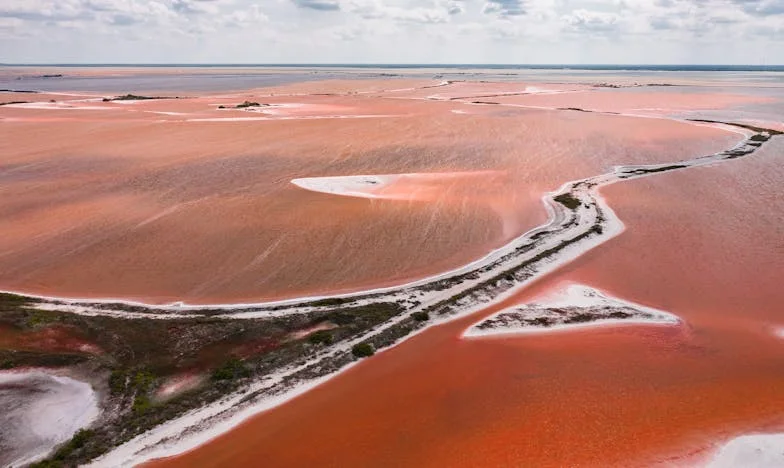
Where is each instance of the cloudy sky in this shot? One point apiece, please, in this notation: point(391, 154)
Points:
point(392, 31)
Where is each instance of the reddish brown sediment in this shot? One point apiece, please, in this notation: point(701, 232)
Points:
point(178, 384)
point(704, 244)
point(53, 338)
point(126, 202)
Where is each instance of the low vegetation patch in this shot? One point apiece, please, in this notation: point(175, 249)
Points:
point(233, 369)
point(321, 337)
point(77, 442)
point(420, 316)
point(244, 105)
point(362, 350)
point(134, 97)
point(138, 356)
point(568, 200)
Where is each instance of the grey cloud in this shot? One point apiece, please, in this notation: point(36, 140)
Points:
point(190, 7)
point(123, 20)
point(662, 23)
point(761, 7)
point(505, 8)
point(100, 5)
point(322, 5)
point(751, 7)
point(44, 11)
point(454, 8)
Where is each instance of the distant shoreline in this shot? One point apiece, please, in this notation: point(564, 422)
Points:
point(468, 66)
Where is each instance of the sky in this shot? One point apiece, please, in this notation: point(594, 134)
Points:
point(393, 31)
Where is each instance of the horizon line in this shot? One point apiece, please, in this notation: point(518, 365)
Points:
point(387, 64)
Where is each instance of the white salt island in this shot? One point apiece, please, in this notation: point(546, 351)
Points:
point(569, 307)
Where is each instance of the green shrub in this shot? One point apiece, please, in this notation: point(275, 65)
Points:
point(143, 380)
point(232, 369)
point(248, 104)
point(421, 316)
point(321, 337)
point(362, 350)
point(330, 301)
point(77, 441)
point(141, 403)
point(117, 381)
point(13, 299)
point(41, 318)
point(46, 464)
point(567, 200)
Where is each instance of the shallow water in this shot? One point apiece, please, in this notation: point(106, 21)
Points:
point(129, 205)
point(619, 396)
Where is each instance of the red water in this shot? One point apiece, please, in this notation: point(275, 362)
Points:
point(122, 202)
point(705, 244)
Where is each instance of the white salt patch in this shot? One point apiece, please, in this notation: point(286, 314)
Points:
point(539, 90)
point(367, 186)
point(39, 411)
point(353, 186)
point(751, 451)
point(167, 113)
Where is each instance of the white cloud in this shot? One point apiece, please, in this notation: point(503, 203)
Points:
point(479, 31)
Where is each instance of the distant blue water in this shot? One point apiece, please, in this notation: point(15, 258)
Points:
point(465, 66)
point(161, 83)
point(258, 76)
